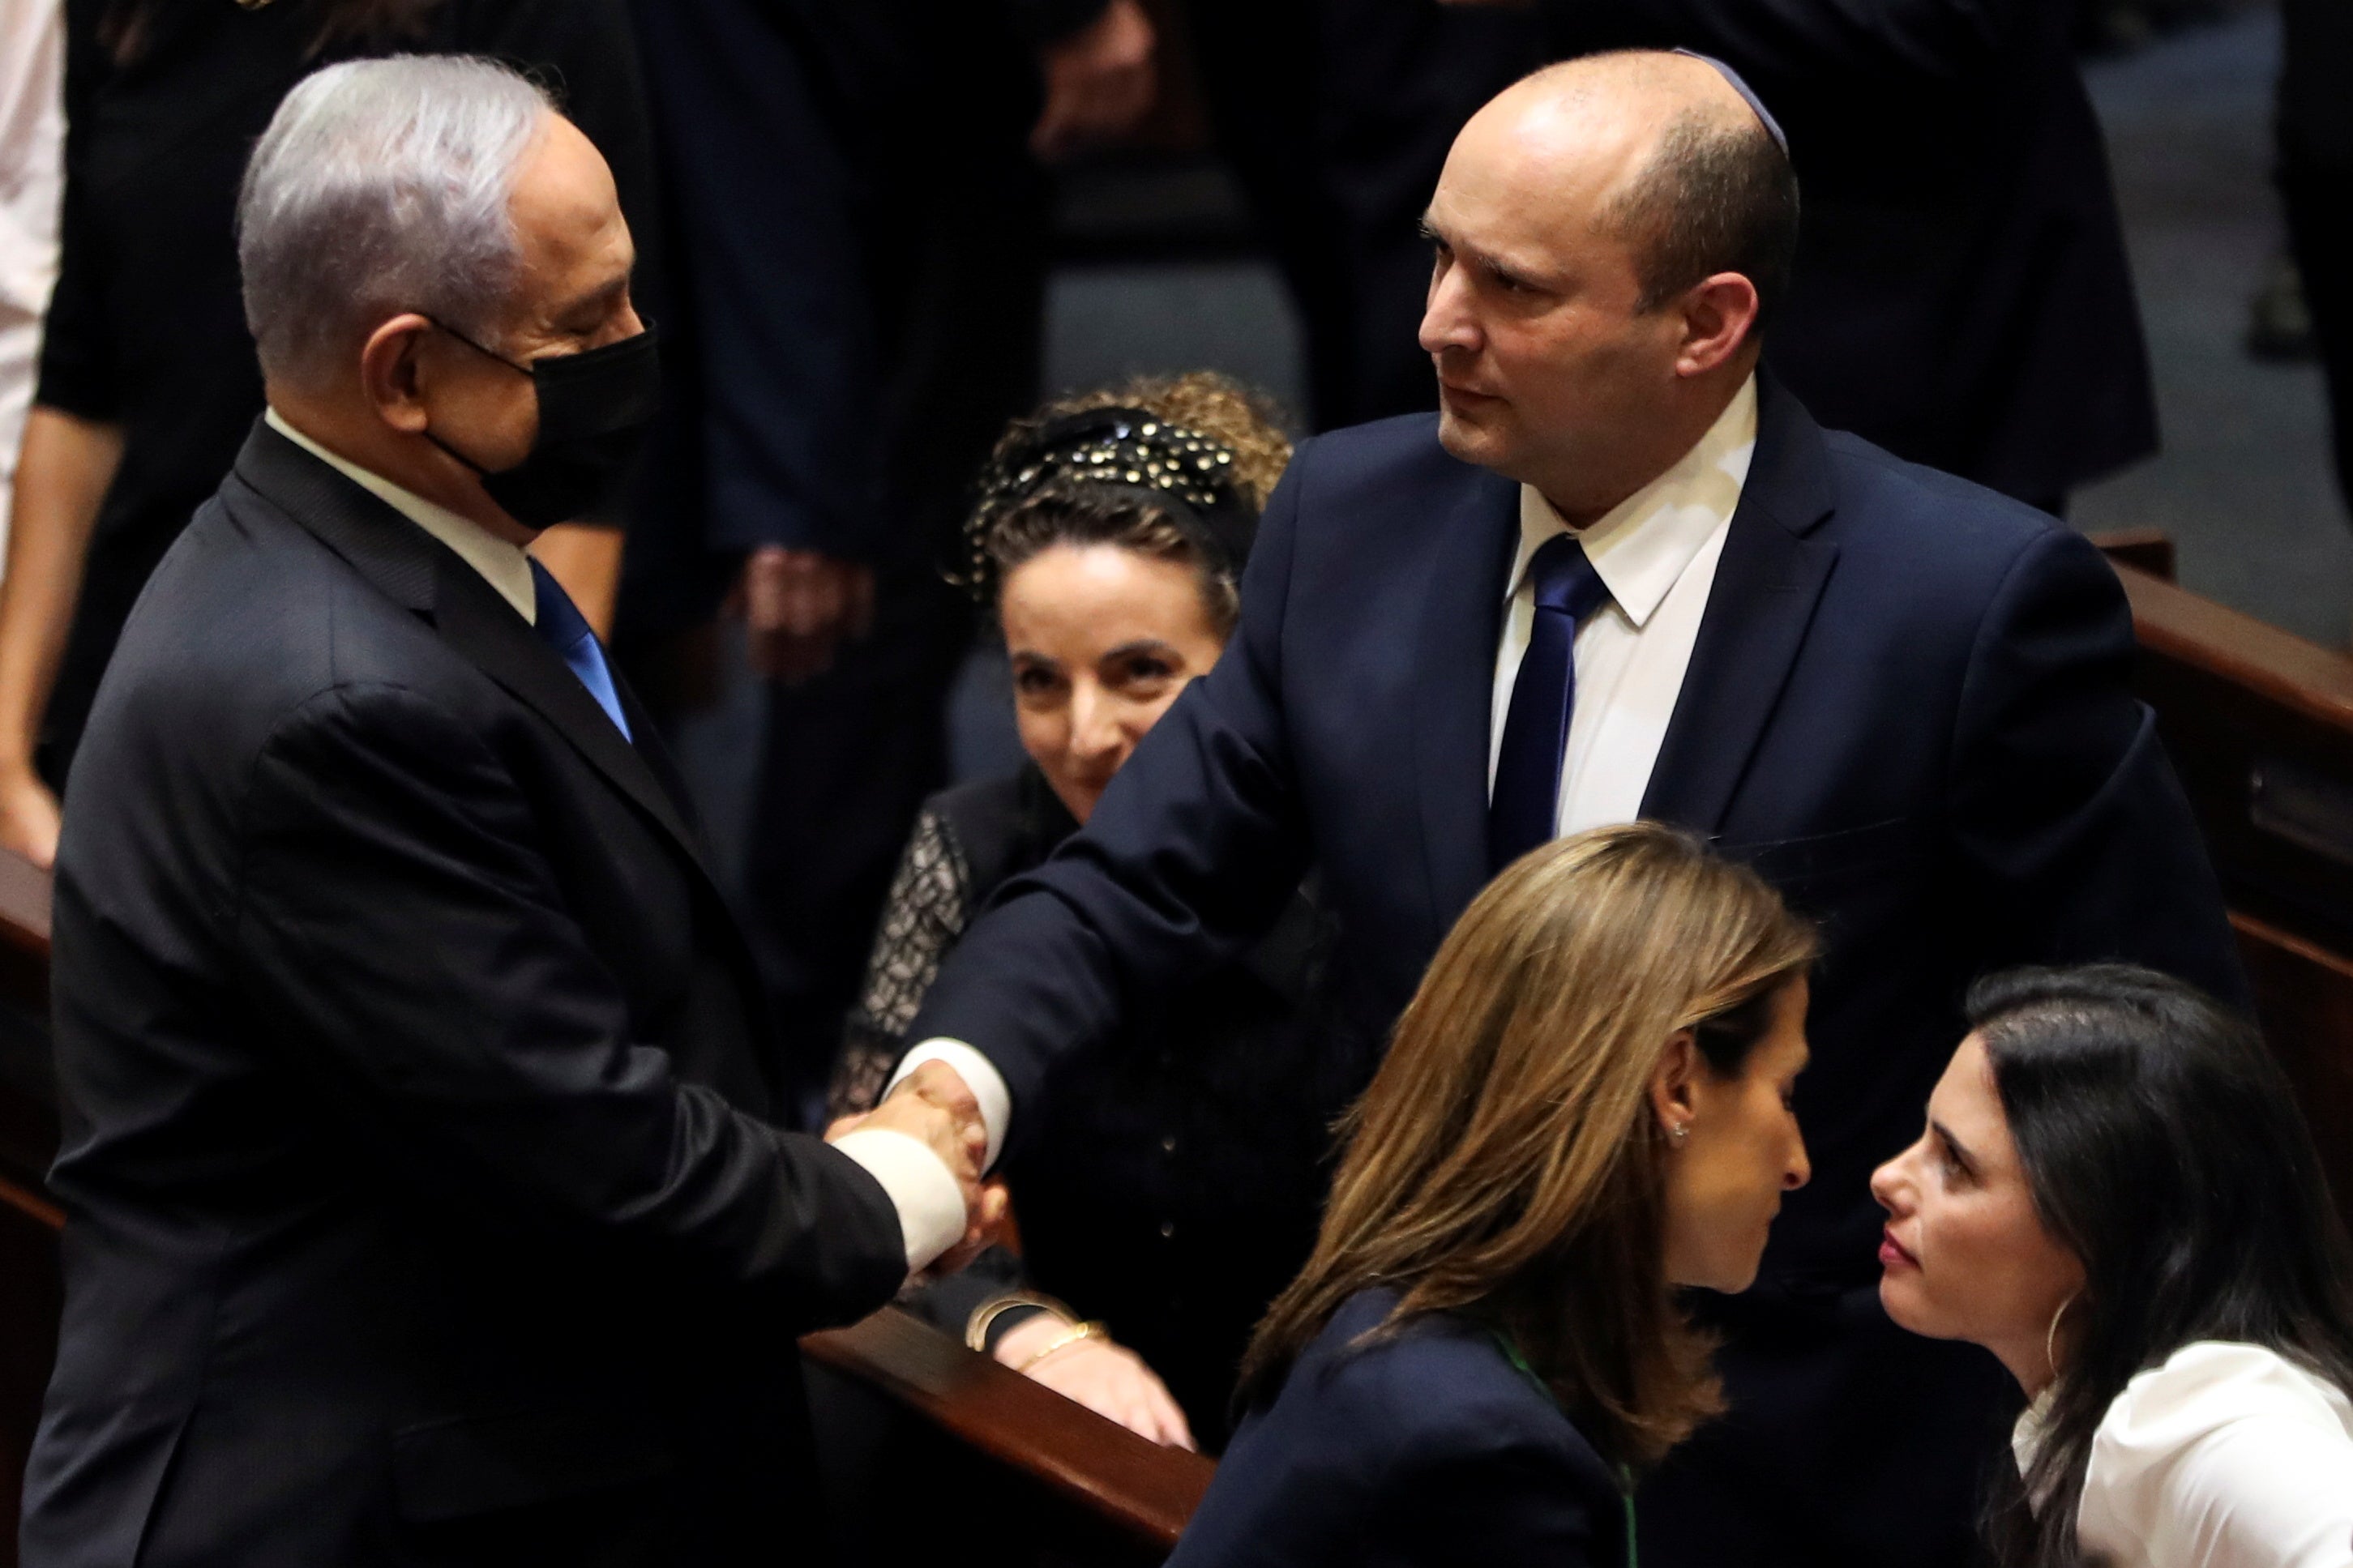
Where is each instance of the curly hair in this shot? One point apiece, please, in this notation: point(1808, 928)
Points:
point(1074, 512)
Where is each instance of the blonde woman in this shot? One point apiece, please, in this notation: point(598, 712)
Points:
point(1586, 1105)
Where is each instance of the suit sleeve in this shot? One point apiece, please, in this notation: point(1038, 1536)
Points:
point(2074, 829)
point(1194, 850)
point(401, 933)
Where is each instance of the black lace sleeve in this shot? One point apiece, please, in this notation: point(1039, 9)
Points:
point(930, 899)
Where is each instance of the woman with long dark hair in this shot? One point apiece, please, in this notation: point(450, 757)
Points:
point(2115, 1194)
point(148, 383)
point(1586, 1105)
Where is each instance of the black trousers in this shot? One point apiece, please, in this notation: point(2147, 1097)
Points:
point(2318, 192)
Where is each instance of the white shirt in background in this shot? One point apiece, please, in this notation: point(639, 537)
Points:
point(32, 184)
point(2227, 1456)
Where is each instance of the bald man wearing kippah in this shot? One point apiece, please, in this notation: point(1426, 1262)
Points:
point(1622, 574)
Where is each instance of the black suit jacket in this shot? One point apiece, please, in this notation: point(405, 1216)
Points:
point(1908, 707)
point(422, 1205)
point(1962, 297)
point(1428, 1449)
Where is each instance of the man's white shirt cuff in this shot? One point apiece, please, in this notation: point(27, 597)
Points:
point(980, 1076)
point(919, 1185)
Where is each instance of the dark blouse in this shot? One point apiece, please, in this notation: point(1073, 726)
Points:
point(1427, 1447)
point(146, 328)
point(1174, 1184)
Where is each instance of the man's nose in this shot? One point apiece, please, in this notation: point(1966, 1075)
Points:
point(1446, 321)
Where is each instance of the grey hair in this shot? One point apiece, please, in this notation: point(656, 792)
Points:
point(382, 185)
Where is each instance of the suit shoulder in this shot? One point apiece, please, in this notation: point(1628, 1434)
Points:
point(1379, 457)
point(1935, 513)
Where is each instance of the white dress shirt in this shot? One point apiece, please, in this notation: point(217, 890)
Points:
point(2228, 1455)
point(1656, 553)
point(917, 1182)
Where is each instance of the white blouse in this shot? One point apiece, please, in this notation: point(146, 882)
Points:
point(2228, 1455)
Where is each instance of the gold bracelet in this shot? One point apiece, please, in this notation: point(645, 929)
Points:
point(977, 1327)
point(1088, 1329)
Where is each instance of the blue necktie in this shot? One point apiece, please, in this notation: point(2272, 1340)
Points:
point(564, 629)
point(1527, 801)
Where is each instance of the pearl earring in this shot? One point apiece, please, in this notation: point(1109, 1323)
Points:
point(1679, 1130)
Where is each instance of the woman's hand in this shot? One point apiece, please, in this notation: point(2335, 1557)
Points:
point(1107, 1378)
point(28, 816)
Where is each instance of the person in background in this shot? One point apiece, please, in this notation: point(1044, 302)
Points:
point(32, 171)
point(2315, 171)
point(1175, 1187)
point(1587, 1108)
point(860, 228)
point(2115, 1194)
point(148, 383)
point(1961, 295)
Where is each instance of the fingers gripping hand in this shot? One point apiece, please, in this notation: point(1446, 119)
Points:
point(934, 1106)
point(1105, 1376)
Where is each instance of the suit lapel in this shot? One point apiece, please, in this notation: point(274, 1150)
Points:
point(482, 626)
point(1767, 582)
point(418, 573)
point(1455, 688)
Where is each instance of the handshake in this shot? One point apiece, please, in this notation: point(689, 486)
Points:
point(935, 1106)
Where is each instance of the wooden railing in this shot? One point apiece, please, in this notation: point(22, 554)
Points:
point(2260, 726)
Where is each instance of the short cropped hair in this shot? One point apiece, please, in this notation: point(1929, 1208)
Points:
point(382, 185)
point(1716, 198)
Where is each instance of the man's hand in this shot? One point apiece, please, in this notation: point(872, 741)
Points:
point(1107, 1378)
point(933, 1105)
point(1100, 81)
point(799, 605)
point(28, 816)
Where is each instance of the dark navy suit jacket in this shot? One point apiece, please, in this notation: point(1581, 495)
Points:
point(1908, 707)
point(1428, 1447)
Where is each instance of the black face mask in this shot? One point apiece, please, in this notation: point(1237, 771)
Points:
point(595, 410)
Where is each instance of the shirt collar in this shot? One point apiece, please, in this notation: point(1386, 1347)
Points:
point(1641, 546)
point(502, 564)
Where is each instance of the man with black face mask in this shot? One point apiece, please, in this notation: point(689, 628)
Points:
point(424, 1179)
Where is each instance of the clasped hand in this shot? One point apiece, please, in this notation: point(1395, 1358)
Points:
point(934, 1106)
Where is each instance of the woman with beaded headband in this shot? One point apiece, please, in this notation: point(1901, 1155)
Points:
point(1176, 1184)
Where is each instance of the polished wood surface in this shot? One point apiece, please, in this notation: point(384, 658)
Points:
point(2260, 726)
point(1146, 1489)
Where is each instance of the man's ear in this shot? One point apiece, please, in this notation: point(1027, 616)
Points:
point(1675, 1082)
point(1719, 319)
point(393, 370)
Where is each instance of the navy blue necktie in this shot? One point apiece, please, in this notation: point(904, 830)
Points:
point(1527, 801)
point(564, 629)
